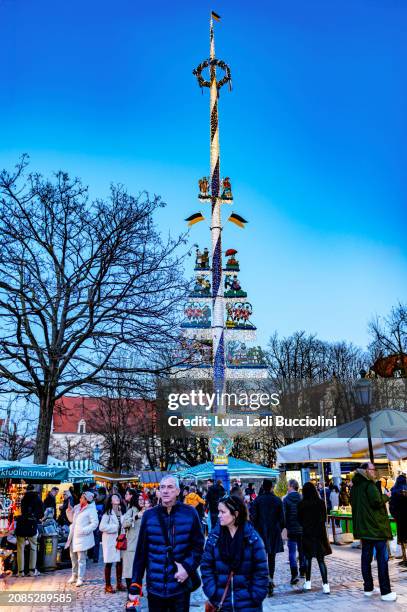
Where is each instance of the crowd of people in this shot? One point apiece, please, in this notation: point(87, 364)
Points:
point(167, 535)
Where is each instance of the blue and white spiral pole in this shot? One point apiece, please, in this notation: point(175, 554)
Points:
point(218, 307)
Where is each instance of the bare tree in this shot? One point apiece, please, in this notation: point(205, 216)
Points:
point(17, 433)
point(80, 281)
point(389, 334)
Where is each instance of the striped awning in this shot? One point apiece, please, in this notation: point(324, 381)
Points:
point(237, 468)
point(75, 476)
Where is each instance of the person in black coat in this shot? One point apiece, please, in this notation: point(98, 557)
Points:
point(267, 516)
point(294, 530)
point(214, 494)
point(31, 503)
point(398, 510)
point(235, 558)
point(50, 500)
point(312, 517)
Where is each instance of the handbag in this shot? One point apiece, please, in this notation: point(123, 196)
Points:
point(121, 540)
point(193, 582)
point(209, 607)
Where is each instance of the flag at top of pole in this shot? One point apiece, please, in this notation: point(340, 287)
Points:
point(215, 16)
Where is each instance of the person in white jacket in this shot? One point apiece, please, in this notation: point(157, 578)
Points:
point(110, 527)
point(84, 520)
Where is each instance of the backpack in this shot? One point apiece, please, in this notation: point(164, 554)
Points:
point(26, 525)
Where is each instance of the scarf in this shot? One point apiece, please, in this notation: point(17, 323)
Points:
point(231, 549)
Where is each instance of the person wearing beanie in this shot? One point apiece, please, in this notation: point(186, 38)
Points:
point(84, 520)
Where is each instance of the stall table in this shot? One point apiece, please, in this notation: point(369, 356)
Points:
point(346, 517)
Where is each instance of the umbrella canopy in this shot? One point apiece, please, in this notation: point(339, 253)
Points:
point(236, 468)
point(346, 442)
point(39, 473)
point(395, 443)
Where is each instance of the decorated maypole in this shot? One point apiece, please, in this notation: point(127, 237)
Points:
point(205, 323)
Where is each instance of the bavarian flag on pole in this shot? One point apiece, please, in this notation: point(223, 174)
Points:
point(215, 16)
point(237, 219)
point(195, 218)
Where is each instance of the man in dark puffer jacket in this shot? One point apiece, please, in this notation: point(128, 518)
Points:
point(168, 573)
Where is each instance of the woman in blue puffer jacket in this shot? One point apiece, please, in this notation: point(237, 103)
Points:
point(234, 548)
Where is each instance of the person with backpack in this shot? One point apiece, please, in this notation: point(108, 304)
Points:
point(234, 564)
point(32, 511)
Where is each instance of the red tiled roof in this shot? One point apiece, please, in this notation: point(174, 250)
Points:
point(68, 411)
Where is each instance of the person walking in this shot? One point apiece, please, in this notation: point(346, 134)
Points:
point(398, 510)
point(294, 530)
point(267, 516)
point(372, 526)
point(169, 550)
point(111, 527)
point(234, 564)
point(131, 524)
point(32, 511)
point(214, 494)
point(84, 520)
point(312, 518)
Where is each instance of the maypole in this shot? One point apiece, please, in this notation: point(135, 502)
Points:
point(202, 322)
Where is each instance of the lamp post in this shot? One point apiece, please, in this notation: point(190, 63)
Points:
point(363, 394)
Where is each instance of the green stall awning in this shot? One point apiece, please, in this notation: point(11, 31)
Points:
point(33, 472)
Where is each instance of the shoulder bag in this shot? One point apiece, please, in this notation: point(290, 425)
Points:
point(209, 607)
point(121, 540)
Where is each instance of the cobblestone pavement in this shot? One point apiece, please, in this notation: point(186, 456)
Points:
point(343, 572)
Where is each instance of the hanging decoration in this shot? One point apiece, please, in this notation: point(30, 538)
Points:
point(238, 315)
point(237, 220)
point(197, 315)
point(195, 218)
point(233, 288)
point(232, 263)
point(202, 259)
point(213, 63)
point(202, 287)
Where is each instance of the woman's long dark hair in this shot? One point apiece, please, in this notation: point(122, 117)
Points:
point(109, 506)
point(236, 506)
point(309, 493)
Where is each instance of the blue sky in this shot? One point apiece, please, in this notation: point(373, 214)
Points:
point(313, 134)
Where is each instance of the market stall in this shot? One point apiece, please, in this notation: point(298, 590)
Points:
point(238, 468)
point(347, 442)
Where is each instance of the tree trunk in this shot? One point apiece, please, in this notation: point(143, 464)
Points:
point(44, 428)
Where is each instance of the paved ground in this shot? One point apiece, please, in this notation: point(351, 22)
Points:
point(343, 571)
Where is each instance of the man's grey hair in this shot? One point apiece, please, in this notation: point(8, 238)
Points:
point(293, 484)
point(174, 478)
